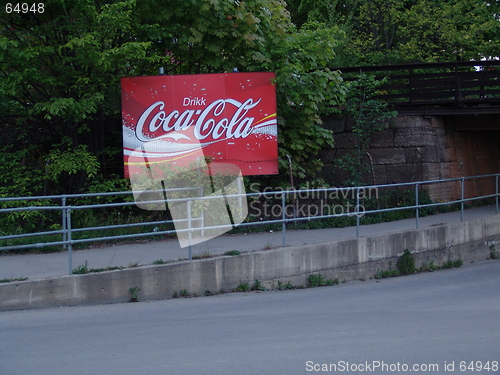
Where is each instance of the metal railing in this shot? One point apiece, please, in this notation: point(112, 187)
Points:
point(281, 216)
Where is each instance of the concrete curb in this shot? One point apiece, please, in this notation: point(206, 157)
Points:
point(347, 259)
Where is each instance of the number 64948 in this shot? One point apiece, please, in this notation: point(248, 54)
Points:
point(25, 8)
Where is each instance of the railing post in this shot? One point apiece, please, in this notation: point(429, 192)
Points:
point(496, 194)
point(410, 86)
point(69, 239)
point(64, 221)
point(462, 195)
point(203, 213)
point(357, 212)
point(416, 204)
point(458, 88)
point(283, 218)
point(190, 234)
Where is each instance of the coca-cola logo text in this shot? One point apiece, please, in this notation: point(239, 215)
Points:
point(208, 122)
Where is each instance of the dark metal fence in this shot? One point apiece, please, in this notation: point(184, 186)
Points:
point(462, 87)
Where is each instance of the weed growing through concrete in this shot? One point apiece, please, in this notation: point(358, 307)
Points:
point(258, 286)
point(406, 266)
point(81, 269)
point(430, 267)
point(269, 246)
point(287, 286)
point(406, 263)
point(243, 287)
point(493, 252)
point(452, 263)
point(203, 255)
point(331, 282)
point(84, 269)
point(232, 252)
point(133, 294)
point(387, 273)
point(315, 280)
point(13, 279)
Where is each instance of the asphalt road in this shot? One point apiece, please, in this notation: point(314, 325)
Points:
point(431, 321)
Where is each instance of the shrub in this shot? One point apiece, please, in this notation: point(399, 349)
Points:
point(406, 263)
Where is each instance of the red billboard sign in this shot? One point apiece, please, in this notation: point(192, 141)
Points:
point(230, 117)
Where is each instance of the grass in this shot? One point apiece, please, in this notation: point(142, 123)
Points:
point(13, 279)
point(388, 273)
point(287, 286)
point(315, 280)
point(232, 252)
point(203, 255)
point(406, 266)
point(268, 246)
point(84, 269)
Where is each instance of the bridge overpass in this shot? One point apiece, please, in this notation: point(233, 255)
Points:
point(448, 125)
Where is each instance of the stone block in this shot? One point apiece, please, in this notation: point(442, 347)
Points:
point(387, 156)
point(383, 138)
point(398, 173)
point(414, 138)
point(345, 140)
point(327, 155)
point(431, 155)
point(411, 121)
point(380, 173)
point(422, 155)
point(335, 123)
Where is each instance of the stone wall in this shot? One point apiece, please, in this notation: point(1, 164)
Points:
point(419, 148)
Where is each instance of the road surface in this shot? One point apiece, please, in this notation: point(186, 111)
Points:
point(428, 323)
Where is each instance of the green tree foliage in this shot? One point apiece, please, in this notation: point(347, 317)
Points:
point(330, 12)
point(306, 89)
point(396, 31)
point(59, 85)
point(60, 70)
point(450, 30)
point(369, 116)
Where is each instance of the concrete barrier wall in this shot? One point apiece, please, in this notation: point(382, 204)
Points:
point(348, 259)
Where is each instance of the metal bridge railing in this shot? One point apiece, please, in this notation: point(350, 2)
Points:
point(459, 87)
point(67, 239)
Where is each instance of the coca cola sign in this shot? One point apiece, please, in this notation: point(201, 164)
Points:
point(231, 117)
